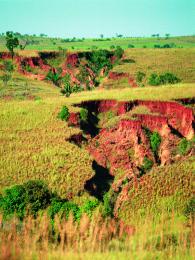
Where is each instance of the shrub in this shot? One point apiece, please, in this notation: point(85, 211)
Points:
point(84, 114)
point(155, 141)
point(118, 52)
point(131, 46)
point(154, 80)
point(54, 77)
point(6, 78)
point(100, 59)
point(8, 66)
point(63, 209)
point(147, 164)
point(168, 78)
point(140, 76)
point(64, 113)
point(76, 88)
point(89, 206)
point(162, 79)
point(25, 199)
point(109, 200)
point(66, 90)
point(184, 146)
point(13, 201)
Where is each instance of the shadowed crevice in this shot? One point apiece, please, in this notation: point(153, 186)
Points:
point(100, 183)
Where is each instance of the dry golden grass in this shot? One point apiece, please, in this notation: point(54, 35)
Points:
point(32, 139)
point(178, 61)
point(97, 238)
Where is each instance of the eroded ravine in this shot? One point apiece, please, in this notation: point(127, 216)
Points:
point(122, 151)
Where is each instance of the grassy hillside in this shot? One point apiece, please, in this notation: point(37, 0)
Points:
point(33, 146)
point(33, 139)
point(181, 62)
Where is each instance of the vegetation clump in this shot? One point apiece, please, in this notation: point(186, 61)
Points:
point(11, 42)
point(64, 113)
point(8, 68)
point(163, 79)
point(185, 145)
point(84, 114)
point(147, 165)
point(25, 199)
point(54, 77)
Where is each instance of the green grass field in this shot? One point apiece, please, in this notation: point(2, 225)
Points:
point(54, 43)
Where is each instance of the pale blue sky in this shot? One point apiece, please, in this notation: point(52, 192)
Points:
point(90, 18)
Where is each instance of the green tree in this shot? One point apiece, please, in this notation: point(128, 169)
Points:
point(11, 42)
point(8, 68)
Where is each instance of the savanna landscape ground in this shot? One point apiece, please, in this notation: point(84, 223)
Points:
point(106, 171)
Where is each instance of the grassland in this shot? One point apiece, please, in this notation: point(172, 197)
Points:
point(33, 146)
point(54, 43)
point(33, 139)
point(181, 62)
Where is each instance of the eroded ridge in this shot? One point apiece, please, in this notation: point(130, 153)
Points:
point(129, 138)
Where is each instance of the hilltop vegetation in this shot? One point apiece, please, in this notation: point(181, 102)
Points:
point(52, 44)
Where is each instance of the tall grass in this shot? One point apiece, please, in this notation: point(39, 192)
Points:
point(97, 237)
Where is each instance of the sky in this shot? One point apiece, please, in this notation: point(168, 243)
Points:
point(90, 18)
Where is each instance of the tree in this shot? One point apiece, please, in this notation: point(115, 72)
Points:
point(11, 42)
point(8, 70)
point(167, 35)
point(102, 36)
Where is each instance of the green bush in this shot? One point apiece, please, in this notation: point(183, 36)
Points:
point(25, 199)
point(84, 114)
point(66, 90)
point(131, 46)
point(109, 200)
point(166, 78)
point(140, 76)
point(6, 78)
point(89, 206)
point(76, 88)
point(118, 52)
point(63, 209)
point(185, 146)
point(54, 77)
point(147, 164)
point(155, 140)
point(8, 66)
point(64, 114)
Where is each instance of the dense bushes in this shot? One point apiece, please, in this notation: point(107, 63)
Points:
point(33, 196)
point(165, 46)
point(24, 199)
point(54, 77)
point(162, 79)
point(100, 59)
